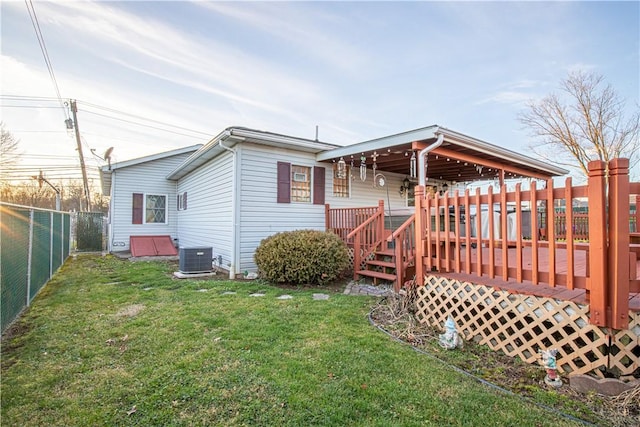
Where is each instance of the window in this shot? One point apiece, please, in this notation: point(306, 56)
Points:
point(300, 184)
point(155, 209)
point(182, 201)
point(295, 182)
point(341, 185)
point(411, 195)
point(150, 207)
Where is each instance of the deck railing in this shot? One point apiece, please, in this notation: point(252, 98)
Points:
point(472, 234)
point(343, 221)
point(362, 229)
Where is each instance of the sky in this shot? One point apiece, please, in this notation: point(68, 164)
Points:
point(152, 76)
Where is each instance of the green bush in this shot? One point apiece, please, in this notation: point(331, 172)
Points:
point(302, 257)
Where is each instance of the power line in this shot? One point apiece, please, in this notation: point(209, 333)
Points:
point(141, 124)
point(45, 53)
point(112, 110)
point(87, 105)
point(24, 106)
point(29, 98)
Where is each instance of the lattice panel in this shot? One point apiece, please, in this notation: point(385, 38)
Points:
point(624, 354)
point(519, 325)
point(363, 262)
point(351, 256)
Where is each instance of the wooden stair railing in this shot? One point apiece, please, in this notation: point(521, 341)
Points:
point(404, 246)
point(367, 237)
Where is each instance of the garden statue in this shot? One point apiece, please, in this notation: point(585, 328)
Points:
point(451, 338)
point(549, 363)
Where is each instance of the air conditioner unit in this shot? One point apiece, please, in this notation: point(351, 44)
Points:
point(195, 260)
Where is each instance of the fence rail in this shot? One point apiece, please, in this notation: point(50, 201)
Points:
point(34, 243)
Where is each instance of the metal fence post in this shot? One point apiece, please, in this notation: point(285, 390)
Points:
point(30, 256)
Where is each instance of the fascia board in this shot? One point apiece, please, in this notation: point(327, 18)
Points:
point(133, 162)
point(485, 147)
point(380, 143)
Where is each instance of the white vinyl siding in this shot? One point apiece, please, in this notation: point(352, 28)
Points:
point(208, 221)
point(364, 194)
point(148, 178)
point(260, 214)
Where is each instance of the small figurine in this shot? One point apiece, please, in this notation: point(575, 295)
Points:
point(549, 363)
point(451, 338)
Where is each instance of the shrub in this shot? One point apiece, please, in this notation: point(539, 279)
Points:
point(302, 257)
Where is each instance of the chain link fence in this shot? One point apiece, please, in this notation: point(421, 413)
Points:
point(33, 245)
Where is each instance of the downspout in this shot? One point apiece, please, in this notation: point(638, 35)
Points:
point(422, 169)
point(234, 212)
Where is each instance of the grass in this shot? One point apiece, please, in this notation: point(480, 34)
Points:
point(109, 342)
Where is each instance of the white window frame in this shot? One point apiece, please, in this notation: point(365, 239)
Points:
point(166, 209)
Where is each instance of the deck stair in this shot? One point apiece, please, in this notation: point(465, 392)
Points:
point(382, 268)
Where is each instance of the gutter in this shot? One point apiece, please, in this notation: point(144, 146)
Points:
point(422, 168)
point(234, 209)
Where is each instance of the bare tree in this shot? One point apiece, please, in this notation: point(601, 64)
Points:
point(8, 149)
point(587, 123)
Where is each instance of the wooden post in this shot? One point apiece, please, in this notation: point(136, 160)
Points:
point(503, 229)
point(380, 230)
point(569, 231)
point(327, 220)
point(598, 278)
point(419, 242)
point(551, 233)
point(618, 294)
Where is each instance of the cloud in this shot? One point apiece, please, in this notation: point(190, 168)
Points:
point(140, 45)
point(307, 27)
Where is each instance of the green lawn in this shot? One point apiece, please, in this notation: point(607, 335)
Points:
point(110, 342)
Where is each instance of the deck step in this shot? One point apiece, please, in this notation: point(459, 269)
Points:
point(381, 263)
point(377, 275)
point(385, 252)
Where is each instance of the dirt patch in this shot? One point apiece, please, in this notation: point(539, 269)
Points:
point(10, 342)
point(396, 315)
point(130, 310)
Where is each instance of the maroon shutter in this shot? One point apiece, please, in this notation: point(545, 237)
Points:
point(318, 185)
point(136, 214)
point(284, 182)
point(184, 201)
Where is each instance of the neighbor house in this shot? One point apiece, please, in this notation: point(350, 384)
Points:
point(245, 185)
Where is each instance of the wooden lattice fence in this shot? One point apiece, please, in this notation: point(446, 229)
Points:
point(520, 325)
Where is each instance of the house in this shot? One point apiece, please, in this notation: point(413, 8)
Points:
point(245, 185)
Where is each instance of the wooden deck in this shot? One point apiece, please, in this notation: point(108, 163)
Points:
point(527, 287)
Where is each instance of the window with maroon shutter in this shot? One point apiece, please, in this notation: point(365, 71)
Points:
point(284, 182)
point(138, 207)
point(300, 184)
point(318, 185)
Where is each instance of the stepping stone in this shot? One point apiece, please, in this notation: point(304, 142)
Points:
point(285, 297)
point(257, 294)
point(320, 297)
point(146, 289)
point(203, 290)
point(229, 293)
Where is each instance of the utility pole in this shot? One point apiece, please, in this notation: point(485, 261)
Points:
point(87, 194)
